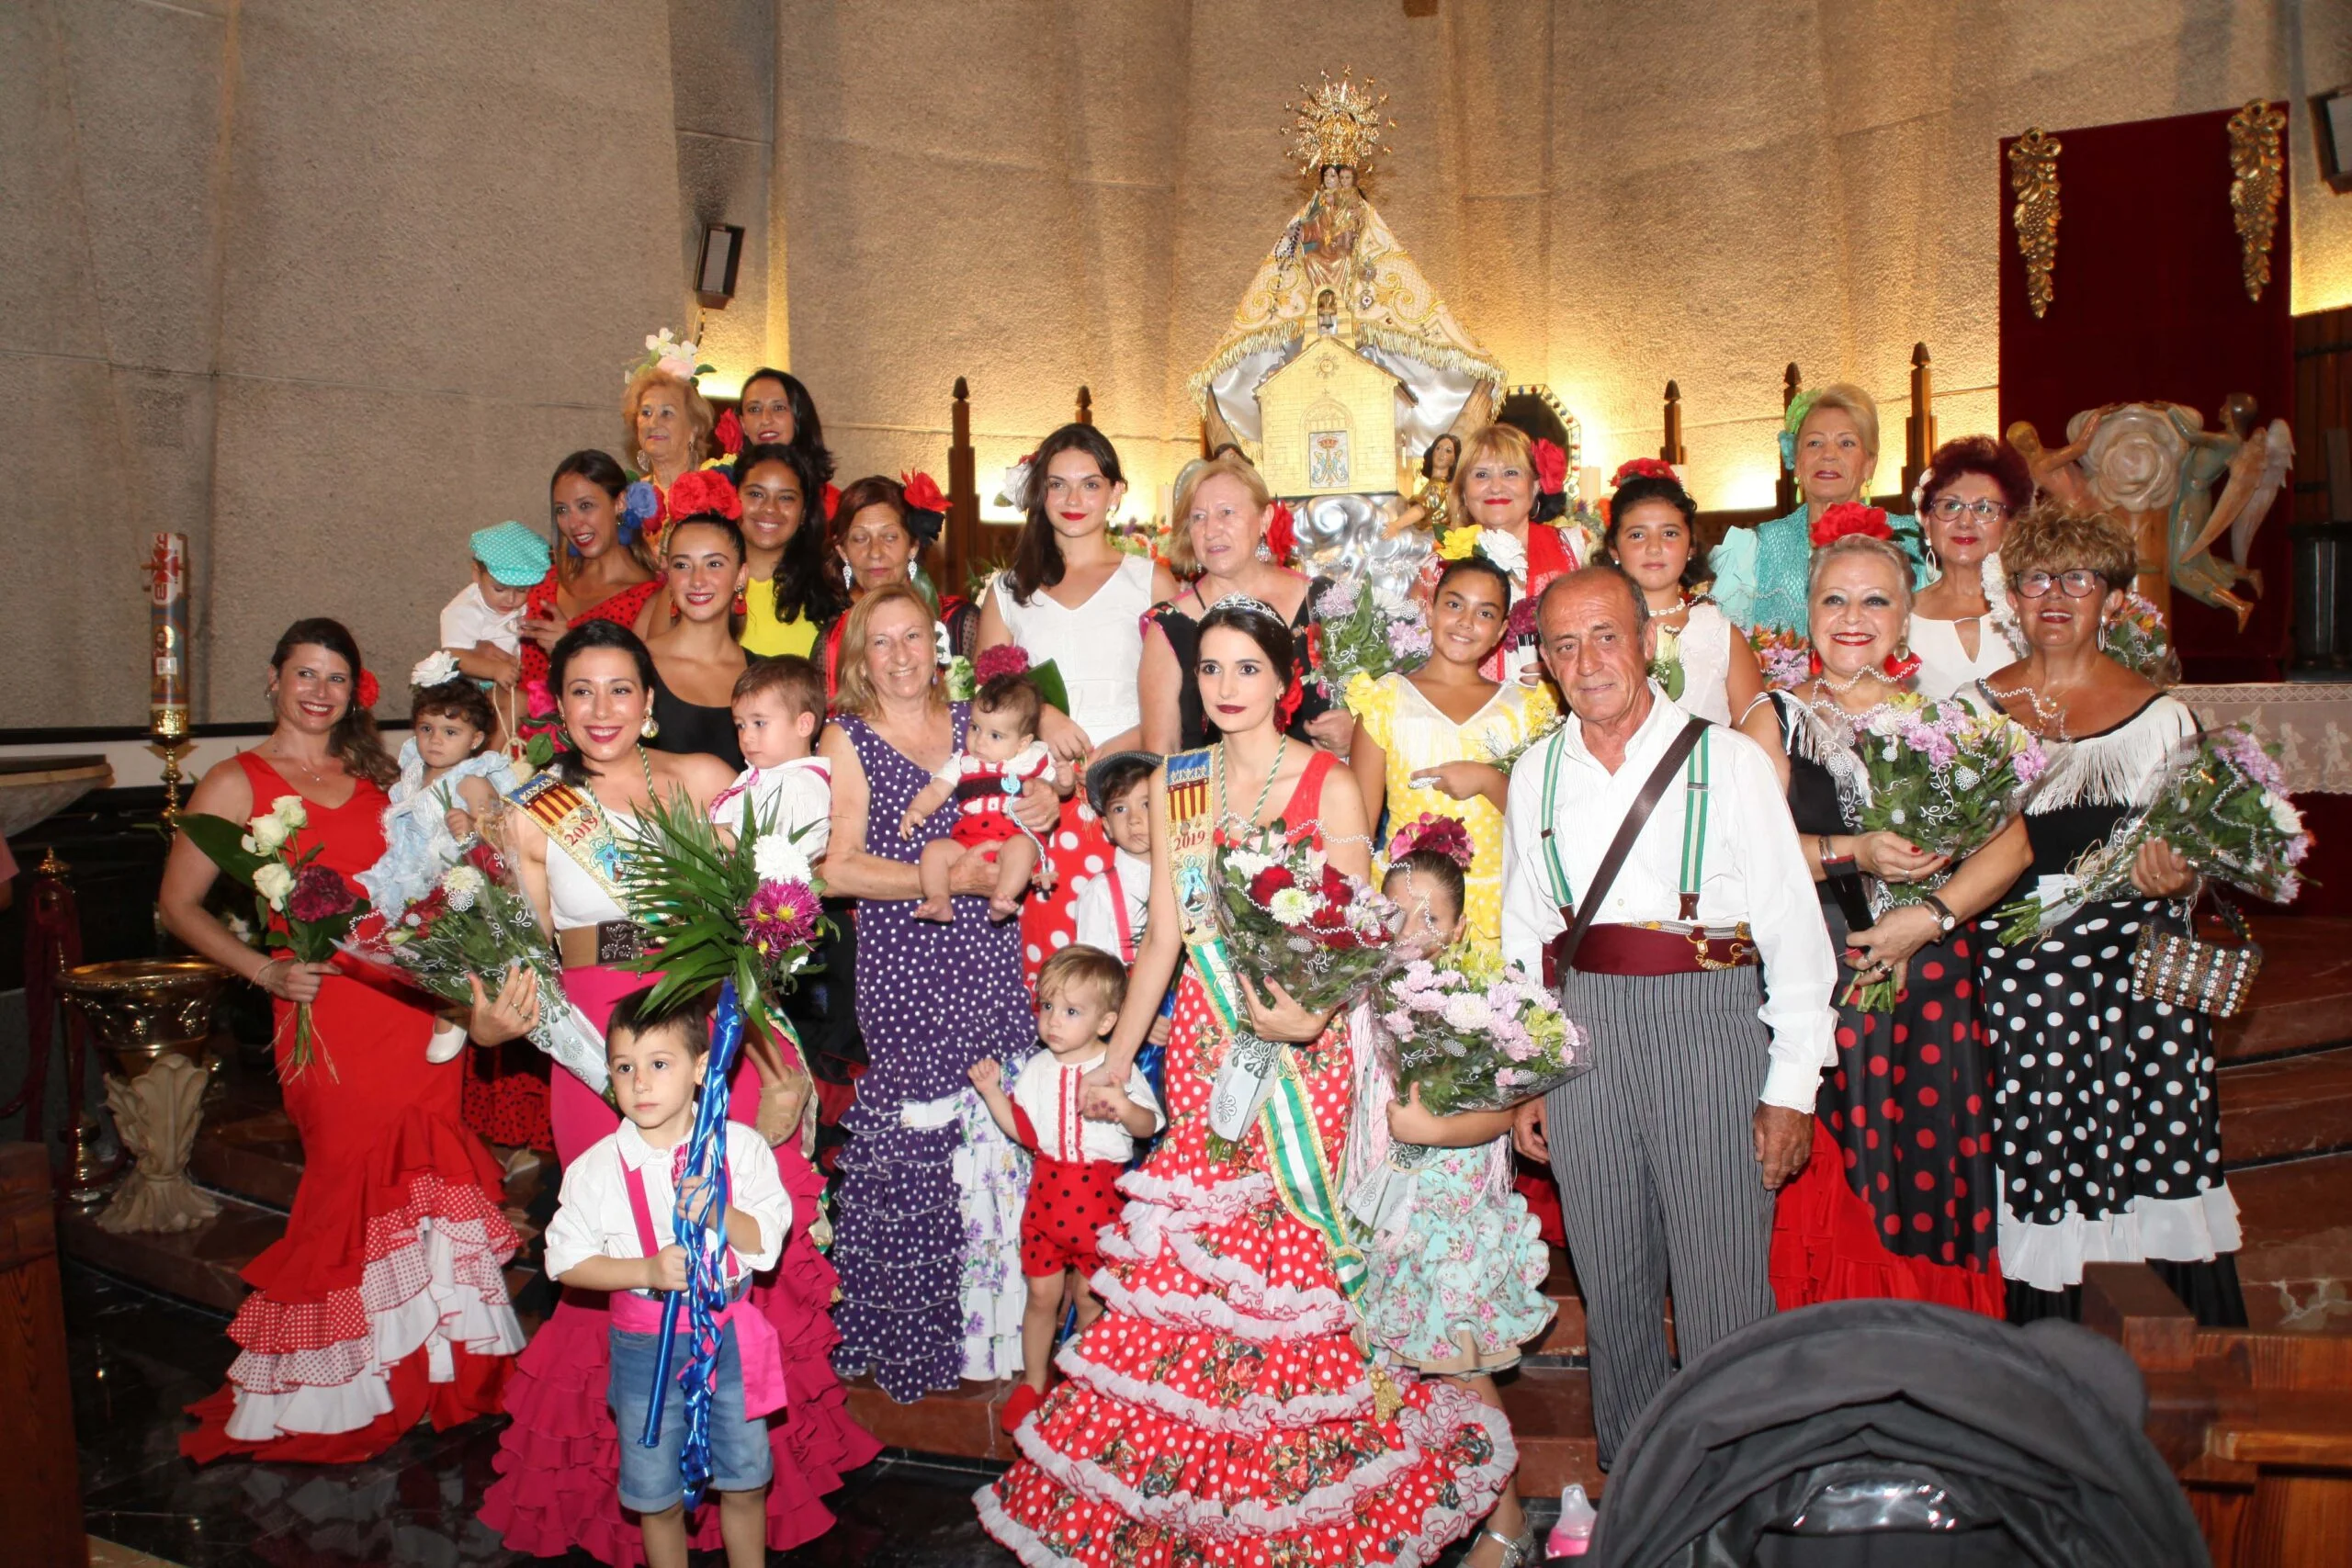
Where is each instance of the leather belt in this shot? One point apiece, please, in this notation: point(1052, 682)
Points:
point(1657, 949)
point(608, 942)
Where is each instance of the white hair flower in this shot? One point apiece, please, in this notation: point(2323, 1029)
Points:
point(437, 668)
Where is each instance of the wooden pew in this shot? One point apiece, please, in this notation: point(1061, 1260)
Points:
point(2257, 1427)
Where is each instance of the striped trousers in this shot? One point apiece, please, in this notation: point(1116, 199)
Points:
point(1653, 1149)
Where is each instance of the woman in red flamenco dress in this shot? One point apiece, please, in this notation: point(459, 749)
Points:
point(1220, 1412)
point(558, 1460)
point(384, 1301)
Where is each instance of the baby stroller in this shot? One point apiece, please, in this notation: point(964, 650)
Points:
point(1863, 1433)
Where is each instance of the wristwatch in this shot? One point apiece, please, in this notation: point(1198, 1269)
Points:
point(1945, 919)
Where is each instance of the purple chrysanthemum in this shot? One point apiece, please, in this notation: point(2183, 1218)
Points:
point(780, 916)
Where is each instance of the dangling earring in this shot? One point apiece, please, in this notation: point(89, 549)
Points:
point(1265, 551)
point(1813, 663)
point(1933, 559)
point(742, 603)
point(2105, 626)
point(651, 728)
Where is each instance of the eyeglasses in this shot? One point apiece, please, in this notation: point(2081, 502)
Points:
point(2078, 583)
point(1950, 509)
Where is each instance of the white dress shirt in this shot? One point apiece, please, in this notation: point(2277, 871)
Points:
point(1048, 1093)
point(1756, 872)
point(1096, 912)
point(792, 796)
point(467, 619)
point(592, 1218)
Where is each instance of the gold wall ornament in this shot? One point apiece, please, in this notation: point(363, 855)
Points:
point(1338, 124)
point(2257, 169)
point(2033, 175)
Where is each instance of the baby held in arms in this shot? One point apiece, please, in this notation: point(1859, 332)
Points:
point(1002, 754)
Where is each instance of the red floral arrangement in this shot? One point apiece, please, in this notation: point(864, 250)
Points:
point(705, 492)
point(1434, 834)
point(319, 895)
point(1850, 518)
point(1550, 468)
point(1281, 533)
point(1643, 468)
point(728, 433)
point(368, 690)
point(1004, 659)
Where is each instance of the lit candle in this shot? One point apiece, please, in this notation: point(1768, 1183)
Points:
point(167, 635)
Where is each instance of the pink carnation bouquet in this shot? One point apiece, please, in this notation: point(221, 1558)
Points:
point(1476, 1033)
point(2223, 805)
point(1785, 658)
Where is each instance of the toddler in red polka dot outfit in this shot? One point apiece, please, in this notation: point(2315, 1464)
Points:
point(982, 781)
point(1083, 1138)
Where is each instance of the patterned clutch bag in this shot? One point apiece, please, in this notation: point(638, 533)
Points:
point(2172, 965)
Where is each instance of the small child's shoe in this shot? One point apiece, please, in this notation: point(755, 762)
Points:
point(1018, 1409)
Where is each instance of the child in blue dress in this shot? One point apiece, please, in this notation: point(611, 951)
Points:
point(450, 784)
point(1457, 1268)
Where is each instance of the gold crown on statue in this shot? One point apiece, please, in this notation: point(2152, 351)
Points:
point(1337, 123)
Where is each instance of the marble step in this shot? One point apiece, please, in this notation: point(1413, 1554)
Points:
point(2286, 1107)
point(257, 1157)
point(201, 1264)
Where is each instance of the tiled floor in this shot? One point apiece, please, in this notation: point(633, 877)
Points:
point(137, 1359)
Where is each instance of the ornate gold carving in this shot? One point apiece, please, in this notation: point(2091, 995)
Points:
point(2033, 175)
point(2256, 168)
point(1338, 124)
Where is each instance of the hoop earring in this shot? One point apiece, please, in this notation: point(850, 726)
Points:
point(2105, 626)
point(651, 728)
point(1933, 559)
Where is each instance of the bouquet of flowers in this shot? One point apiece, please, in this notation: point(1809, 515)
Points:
point(1366, 630)
point(1786, 658)
point(2137, 640)
point(1943, 777)
point(1476, 1033)
point(313, 905)
point(716, 910)
point(474, 923)
point(2222, 804)
point(1290, 916)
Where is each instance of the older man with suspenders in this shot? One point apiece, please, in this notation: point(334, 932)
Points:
point(1650, 867)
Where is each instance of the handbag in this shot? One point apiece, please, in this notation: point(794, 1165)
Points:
point(2173, 965)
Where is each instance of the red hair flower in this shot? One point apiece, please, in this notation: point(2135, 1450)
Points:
point(367, 690)
point(705, 492)
point(1281, 533)
point(1004, 659)
point(1550, 468)
point(728, 433)
point(1287, 707)
point(1850, 518)
point(922, 492)
point(1440, 835)
point(1643, 468)
point(832, 499)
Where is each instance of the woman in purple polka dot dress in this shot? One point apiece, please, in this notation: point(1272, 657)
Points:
point(927, 1240)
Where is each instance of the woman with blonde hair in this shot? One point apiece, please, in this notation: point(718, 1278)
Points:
point(1221, 513)
point(1829, 440)
point(1503, 497)
point(928, 1238)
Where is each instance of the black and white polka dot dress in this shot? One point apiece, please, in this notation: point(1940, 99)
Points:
point(2108, 1144)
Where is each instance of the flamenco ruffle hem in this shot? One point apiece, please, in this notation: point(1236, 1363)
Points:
point(384, 1303)
point(1220, 1411)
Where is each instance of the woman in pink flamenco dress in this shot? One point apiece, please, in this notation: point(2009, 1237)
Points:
point(1220, 1412)
point(558, 1462)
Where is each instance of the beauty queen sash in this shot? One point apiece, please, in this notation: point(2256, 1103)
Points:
point(1259, 1083)
point(575, 824)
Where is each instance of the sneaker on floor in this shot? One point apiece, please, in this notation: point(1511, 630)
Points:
point(1018, 1409)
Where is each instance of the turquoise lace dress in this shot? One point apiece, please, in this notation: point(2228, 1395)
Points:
point(1761, 572)
point(1457, 1264)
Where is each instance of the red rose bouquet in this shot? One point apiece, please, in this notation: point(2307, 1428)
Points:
point(311, 906)
point(1290, 917)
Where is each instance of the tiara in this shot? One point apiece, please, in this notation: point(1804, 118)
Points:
point(1245, 601)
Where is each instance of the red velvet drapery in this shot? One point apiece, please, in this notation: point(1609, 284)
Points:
point(2149, 305)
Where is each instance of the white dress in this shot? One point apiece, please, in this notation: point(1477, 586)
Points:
point(1097, 647)
point(1705, 649)
point(1945, 668)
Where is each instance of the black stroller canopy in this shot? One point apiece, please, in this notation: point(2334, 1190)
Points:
point(1883, 1432)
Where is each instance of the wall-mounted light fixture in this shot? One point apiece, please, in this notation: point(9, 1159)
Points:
point(2333, 113)
point(722, 252)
